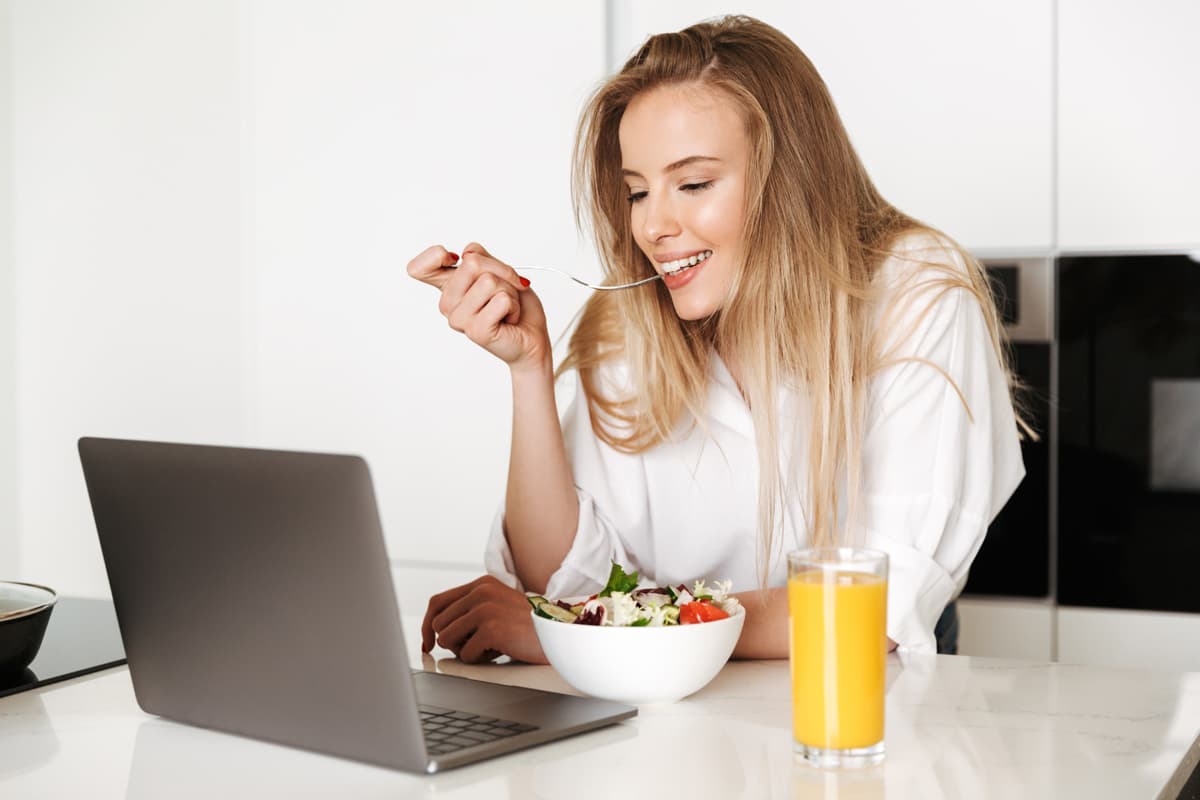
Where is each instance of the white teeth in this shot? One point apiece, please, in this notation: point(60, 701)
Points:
point(671, 267)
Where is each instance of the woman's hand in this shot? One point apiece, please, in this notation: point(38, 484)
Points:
point(489, 302)
point(481, 621)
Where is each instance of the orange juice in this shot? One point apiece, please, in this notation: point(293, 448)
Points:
point(838, 654)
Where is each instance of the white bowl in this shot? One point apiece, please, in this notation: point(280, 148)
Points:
point(639, 665)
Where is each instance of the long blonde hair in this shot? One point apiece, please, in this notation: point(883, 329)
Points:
point(816, 231)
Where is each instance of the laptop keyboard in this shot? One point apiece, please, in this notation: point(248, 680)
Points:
point(447, 730)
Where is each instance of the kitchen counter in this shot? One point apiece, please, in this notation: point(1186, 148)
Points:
point(956, 727)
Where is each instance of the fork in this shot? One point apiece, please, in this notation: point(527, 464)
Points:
point(582, 282)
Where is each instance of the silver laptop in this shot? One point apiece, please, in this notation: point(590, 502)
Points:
point(254, 596)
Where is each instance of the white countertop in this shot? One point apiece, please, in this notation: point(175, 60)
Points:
point(957, 727)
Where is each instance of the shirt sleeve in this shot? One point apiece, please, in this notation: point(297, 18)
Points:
point(936, 472)
point(603, 477)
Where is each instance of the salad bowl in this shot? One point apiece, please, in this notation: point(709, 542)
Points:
point(638, 663)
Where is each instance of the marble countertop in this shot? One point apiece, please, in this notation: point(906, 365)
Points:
point(956, 727)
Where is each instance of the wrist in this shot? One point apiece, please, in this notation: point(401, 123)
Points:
point(536, 369)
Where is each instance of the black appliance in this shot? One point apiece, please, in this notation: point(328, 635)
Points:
point(1129, 432)
point(1015, 558)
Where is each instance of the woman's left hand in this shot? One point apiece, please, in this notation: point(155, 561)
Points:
point(481, 621)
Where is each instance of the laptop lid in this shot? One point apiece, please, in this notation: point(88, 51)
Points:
point(254, 595)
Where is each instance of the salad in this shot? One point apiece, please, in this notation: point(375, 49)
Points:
point(622, 603)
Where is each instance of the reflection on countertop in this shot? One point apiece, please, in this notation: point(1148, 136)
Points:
point(82, 636)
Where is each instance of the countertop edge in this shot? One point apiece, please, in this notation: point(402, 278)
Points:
point(1183, 772)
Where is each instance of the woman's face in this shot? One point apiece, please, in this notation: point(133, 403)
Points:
point(684, 154)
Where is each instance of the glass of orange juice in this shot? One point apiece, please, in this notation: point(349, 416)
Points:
point(837, 604)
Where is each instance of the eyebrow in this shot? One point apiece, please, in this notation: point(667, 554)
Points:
point(674, 165)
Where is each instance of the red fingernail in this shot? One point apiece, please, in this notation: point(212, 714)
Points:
point(453, 255)
point(524, 281)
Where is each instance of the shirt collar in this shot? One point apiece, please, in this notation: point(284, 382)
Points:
point(726, 405)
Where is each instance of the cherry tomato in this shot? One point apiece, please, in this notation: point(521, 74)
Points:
point(700, 611)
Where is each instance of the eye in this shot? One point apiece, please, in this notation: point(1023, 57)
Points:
point(635, 196)
point(696, 187)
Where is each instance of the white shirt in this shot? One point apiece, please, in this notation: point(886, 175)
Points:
point(932, 479)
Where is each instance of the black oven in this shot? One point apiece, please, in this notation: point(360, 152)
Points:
point(1129, 432)
point(1015, 559)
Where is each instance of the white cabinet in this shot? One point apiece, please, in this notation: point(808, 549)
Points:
point(949, 104)
point(1134, 639)
point(1004, 628)
point(1040, 631)
point(1129, 124)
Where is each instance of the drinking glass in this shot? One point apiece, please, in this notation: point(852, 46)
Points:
point(837, 603)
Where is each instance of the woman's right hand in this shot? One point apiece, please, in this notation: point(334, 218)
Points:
point(486, 300)
point(481, 621)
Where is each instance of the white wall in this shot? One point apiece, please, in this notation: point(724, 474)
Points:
point(126, 232)
point(214, 203)
point(9, 541)
point(374, 132)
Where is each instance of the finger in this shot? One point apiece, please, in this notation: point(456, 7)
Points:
point(455, 634)
point(455, 287)
point(459, 607)
point(486, 287)
point(476, 253)
point(437, 604)
point(427, 633)
point(476, 247)
point(464, 278)
point(481, 646)
point(484, 327)
point(432, 265)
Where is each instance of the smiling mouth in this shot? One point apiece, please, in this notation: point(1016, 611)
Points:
point(676, 267)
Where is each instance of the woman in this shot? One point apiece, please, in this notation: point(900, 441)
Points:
point(815, 366)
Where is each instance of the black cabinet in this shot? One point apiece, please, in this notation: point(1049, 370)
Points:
point(1015, 557)
point(1014, 560)
point(1128, 470)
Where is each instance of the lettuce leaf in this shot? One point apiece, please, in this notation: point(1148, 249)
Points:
point(619, 581)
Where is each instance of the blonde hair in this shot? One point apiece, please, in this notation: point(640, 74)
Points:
point(816, 232)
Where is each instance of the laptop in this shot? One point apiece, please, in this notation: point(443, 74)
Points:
point(254, 596)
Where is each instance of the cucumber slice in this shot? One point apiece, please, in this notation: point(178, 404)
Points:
point(544, 608)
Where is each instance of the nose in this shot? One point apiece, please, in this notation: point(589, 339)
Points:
point(661, 220)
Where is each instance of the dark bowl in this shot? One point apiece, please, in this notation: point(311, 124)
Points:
point(24, 612)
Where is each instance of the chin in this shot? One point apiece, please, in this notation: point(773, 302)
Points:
point(692, 310)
